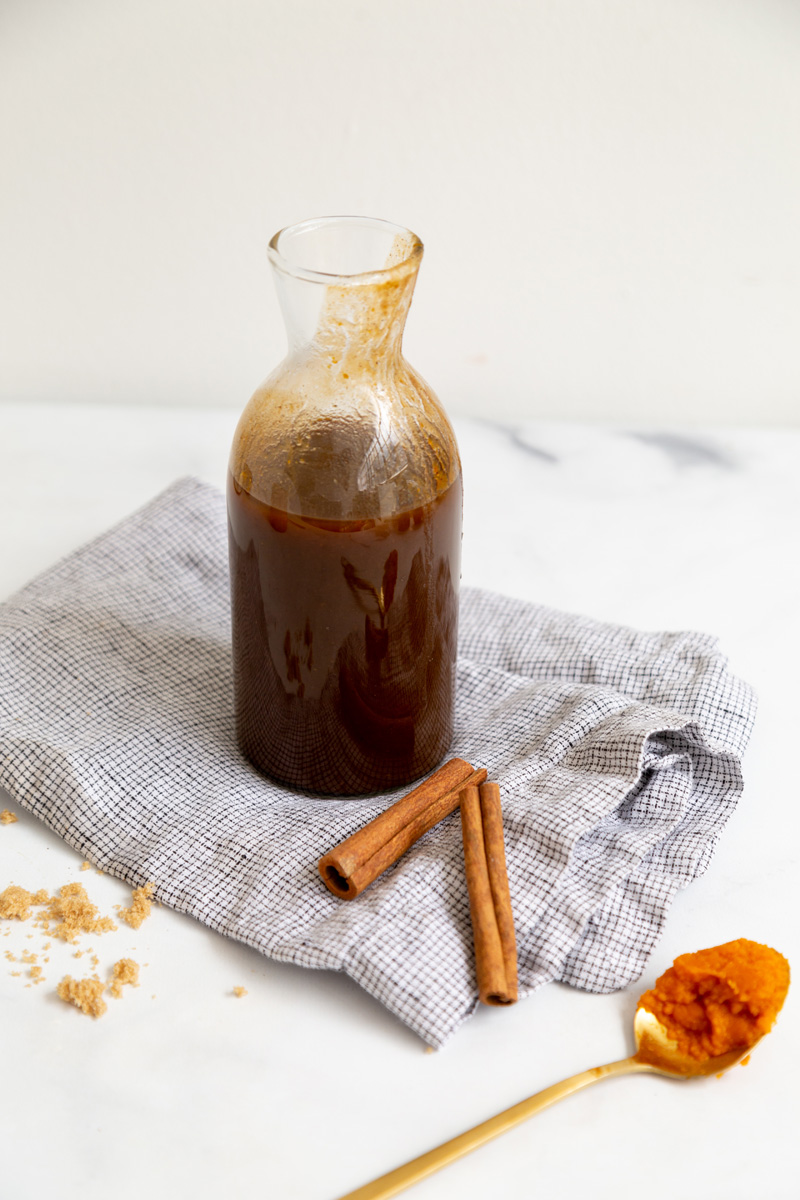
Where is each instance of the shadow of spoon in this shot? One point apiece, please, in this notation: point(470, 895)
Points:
point(656, 1054)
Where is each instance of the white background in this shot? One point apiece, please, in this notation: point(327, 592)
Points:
point(608, 192)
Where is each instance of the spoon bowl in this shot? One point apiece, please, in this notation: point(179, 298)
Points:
point(657, 1051)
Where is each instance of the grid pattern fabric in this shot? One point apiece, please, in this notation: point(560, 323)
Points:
point(617, 753)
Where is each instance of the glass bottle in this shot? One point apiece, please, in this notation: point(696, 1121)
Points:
point(344, 517)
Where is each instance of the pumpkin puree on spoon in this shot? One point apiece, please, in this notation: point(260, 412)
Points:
point(720, 999)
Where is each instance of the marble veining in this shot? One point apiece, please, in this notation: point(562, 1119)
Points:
point(685, 451)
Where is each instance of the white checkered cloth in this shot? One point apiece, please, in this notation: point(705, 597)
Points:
point(617, 754)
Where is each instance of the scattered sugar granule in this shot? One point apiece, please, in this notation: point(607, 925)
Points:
point(7, 817)
point(36, 974)
point(15, 903)
point(15, 972)
point(86, 866)
point(239, 992)
point(11, 957)
point(126, 971)
point(29, 957)
point(85, 994)
point(75, 914)
point(140, 906)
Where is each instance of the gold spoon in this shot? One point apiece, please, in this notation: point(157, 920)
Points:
point(656, 1053)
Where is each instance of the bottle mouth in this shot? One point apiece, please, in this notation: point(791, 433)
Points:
point(345, 250)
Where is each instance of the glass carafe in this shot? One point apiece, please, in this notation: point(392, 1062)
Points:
point(344, 513)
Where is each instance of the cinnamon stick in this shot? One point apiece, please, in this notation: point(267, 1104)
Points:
point(489, 899)
point(356, 862)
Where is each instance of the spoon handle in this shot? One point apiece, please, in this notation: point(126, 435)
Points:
point(419, 1168)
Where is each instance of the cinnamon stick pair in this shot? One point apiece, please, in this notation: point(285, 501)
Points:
point(354, 864)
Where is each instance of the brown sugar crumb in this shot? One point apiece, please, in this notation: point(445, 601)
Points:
point(15, 903)
point(86, 866)
point(28, 956)
point(140, 906)
point(239, 992)
point(7, 817)
point(85, 994)
point(40, 897)
point(15, 972)
point(126, 971)
point(36, 974)
point(75, 914)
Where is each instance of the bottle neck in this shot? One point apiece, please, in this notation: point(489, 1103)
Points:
point(357, 322)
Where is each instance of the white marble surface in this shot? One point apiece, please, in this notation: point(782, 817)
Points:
point(306, 1087)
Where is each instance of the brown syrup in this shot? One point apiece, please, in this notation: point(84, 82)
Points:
point(344, 642)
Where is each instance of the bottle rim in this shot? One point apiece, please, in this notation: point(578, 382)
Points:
point(408, 264)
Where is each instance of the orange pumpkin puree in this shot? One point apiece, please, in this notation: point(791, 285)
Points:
point(720, 999)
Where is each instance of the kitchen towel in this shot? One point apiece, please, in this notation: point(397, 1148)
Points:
point(617, 753)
